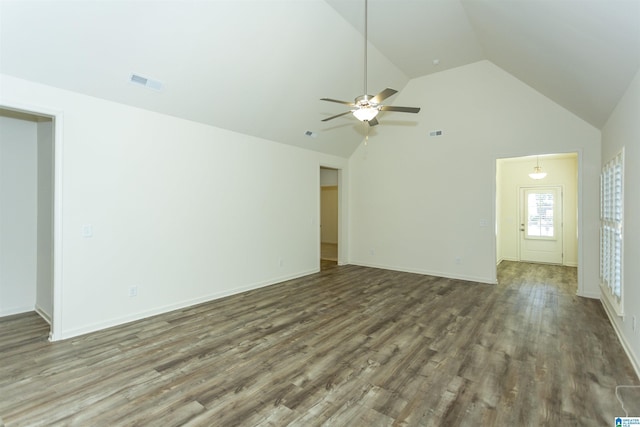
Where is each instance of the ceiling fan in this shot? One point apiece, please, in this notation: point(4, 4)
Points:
point(366, 107)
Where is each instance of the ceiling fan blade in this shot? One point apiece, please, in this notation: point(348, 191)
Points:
point(336, 116)
point(373, 122)
point(383, 95)
point(350, 104)
point(400, 109)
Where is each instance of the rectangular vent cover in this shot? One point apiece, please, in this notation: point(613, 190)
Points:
point(311, 134)
point(146, 82)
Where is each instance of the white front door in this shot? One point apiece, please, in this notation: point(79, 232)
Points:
point(541, 224)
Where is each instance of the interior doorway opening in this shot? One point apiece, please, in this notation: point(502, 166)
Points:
point(27, 153)
point(537, 220)
point(329, 217)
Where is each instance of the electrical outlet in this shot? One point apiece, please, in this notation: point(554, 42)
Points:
point(87, 231)
point(372, 251)
point(633, 323)
point(458, 260)
point(133, 291)
point(281, 262)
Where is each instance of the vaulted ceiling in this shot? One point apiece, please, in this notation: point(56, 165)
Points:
point(259, 67)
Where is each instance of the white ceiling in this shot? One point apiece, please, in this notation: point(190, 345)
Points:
point(259, 67)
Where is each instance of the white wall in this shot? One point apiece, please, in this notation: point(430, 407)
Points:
point(623, 130)
point(328, 177)
point(562, 172)
point(329, 214)
point(418, 203)
point(499, 219)
point(184, 211)
point(44, 277)
point(329, 205)
point(18, 222)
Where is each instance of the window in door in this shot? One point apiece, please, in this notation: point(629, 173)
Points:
point(541, 238)
point(540, 221)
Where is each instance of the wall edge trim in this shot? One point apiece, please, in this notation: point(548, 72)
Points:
point(635, 362)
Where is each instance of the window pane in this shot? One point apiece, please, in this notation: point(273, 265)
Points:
point(611, 198)
point(540, 215)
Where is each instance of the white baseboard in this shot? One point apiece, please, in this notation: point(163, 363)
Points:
point(592, 295)
point(46, 316)
point(429, 273)
point(177, 306)
point(15, 310)
point(635, 362)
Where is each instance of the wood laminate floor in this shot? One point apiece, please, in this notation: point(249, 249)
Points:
point(329, 251)
point(349, 346)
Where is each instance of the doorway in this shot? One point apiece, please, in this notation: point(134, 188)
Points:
point(537, 219)
point(329, 217)
point(27, 154)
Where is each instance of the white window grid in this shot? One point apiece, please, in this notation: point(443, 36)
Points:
point(611, 222)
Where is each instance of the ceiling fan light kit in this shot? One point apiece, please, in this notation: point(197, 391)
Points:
point(365, 114)
point(367, 107)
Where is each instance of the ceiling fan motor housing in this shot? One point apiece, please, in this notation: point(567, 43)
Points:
point(365, 101)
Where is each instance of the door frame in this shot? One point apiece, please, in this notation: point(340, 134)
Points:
point(55, 332)
point(342, 214)
point(521, 212)
point(579, 209)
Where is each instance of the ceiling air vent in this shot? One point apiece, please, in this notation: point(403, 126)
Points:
point(311, 134)
point(146, 82)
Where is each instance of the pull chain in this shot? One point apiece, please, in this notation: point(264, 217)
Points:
point(366, 136)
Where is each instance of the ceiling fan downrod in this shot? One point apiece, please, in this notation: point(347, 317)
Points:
point(366, 4)
point(366, 107)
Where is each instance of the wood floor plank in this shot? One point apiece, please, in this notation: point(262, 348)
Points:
point(347, 346)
